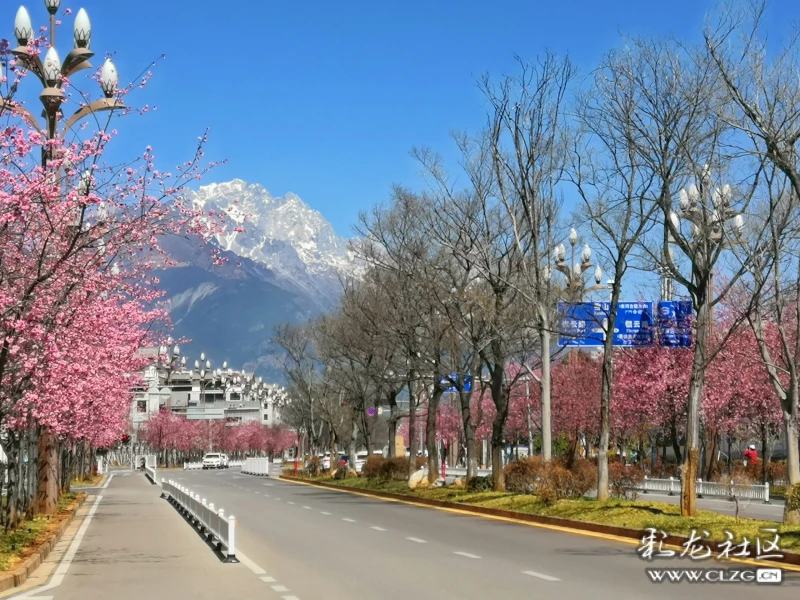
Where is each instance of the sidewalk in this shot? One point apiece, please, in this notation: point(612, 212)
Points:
point(136, 546)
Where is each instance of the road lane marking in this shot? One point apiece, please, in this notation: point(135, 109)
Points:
point(540, 576)
point(268, 579)
point(307, 507)
point(349, 520)
point(69, 556)
point(289, 598)
point(377, 528)
point(466, 554)
point(560, 528)
point(266, 495)
point(110, 477)
point(417, 540)
point(290, 503)
point(250, 564)
point(326, 513)
point(280, 588)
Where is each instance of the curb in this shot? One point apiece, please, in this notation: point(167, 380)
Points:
point(790, 558)
point(20, 575)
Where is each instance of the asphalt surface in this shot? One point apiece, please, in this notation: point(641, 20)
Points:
point(298, 542)
point(750, 509)
point(331, 545)
point(136, 546)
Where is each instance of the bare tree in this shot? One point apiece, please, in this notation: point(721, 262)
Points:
point(618, 190)
point(528, 146)
point(473, 226)
point(763, 88)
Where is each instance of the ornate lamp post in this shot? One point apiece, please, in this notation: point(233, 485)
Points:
point(51, 73)
point(575, 288)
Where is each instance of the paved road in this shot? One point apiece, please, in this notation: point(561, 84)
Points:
point(751, 509)
point(136, 546)
point(329, 545)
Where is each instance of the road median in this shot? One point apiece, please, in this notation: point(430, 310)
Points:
point(22, 562)
point(624, 520)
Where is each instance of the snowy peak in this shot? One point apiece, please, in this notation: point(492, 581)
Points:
point(283, 233)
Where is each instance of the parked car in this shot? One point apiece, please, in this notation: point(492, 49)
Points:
point(361, 460)
point(213, 460)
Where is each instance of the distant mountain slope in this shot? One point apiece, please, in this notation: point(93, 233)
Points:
point(286, 266)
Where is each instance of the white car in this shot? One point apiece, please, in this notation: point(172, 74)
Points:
point(213, 460)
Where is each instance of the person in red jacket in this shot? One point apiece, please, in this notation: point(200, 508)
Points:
point(750, 455)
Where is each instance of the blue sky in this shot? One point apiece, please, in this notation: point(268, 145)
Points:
point(326, 99)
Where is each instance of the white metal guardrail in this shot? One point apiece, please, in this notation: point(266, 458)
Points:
point(731, 490)
point(256, 466)
point(152, 474)
point(212, 522)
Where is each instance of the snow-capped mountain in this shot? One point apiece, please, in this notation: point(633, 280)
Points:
point(283, 233)
point(285, 265)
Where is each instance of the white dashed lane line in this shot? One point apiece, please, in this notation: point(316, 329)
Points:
point(540, 576)
point(280, 588)
point(349, 520)
point(377, 528)
point(466, 554)
point(326, 513)
point(417, 540)
point(268, 579)
point(307, 507)
point(290, 503)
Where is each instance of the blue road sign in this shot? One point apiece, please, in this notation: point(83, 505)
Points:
point(582, 324)
point(675, 323)
point(448, 381)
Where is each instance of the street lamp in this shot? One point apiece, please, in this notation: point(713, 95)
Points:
point(576, 288)
point(169, 362)
point(52, 72)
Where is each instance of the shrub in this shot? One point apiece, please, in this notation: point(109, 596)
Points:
point(313, 466)
point(793, 497)
point(521, 475)
point(584, 478)
point(344, 472)
point(777, 471)
point(394, 469)
point(480, 484)
point(754, 471)
point(624, 481)
point(372, 468)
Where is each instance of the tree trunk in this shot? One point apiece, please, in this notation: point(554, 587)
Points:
point(497, 464)
point(712, 444)
point(676, 447)
point(392, 425)
point(469, 435)
point(353, 445)
point(764, 453)
point(792, 455)
point(412, 429)
point(434, 458)
point(544, 384)
point(47, 493)
point(692, 453)
point(606, 382)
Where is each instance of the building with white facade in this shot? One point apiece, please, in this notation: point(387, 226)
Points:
point(235, 396)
